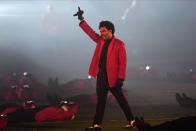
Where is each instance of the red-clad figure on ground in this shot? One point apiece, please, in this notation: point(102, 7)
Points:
point(65, 111)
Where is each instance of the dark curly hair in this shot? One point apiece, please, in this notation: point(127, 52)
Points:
point(109, 25)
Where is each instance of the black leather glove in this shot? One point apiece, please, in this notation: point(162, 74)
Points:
point(119, 83)
point(79, 14)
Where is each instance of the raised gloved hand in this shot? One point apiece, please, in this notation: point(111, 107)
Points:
point(119, 83)
point(79, 14)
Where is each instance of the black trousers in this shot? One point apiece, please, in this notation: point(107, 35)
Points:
point(26, 115)
point(102, 89)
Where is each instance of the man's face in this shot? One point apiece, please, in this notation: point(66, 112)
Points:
point(105, 33)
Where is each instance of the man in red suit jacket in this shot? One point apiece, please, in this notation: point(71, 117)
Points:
point(109, 66)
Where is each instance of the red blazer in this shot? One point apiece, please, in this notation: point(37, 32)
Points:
point(55, 114)
point(116, 57)
point(9, 110)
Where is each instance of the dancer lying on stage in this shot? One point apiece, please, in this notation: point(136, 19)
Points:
point(65, 111)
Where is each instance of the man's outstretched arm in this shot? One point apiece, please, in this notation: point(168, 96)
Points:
point(85, 26)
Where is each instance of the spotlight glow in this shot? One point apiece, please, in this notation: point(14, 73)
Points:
point(190, 70)
point(89, 77)
point(133, 4)
point(148, 67)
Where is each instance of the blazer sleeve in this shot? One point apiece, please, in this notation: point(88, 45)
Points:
point(89, 31)
point(122, 62)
